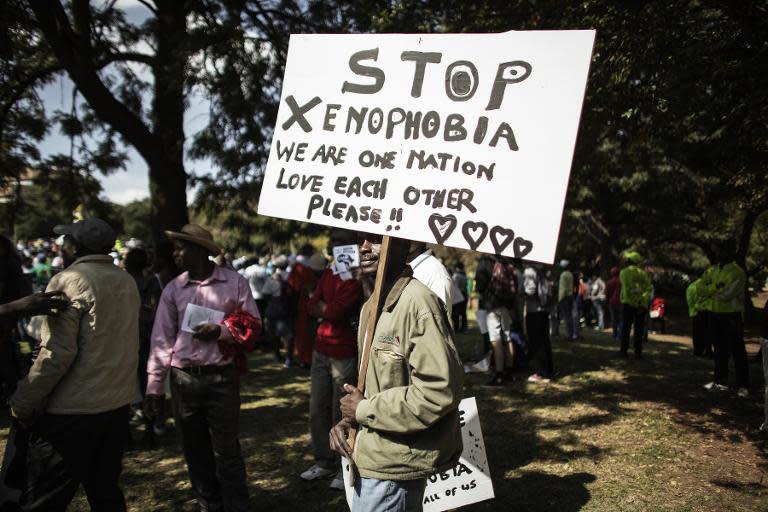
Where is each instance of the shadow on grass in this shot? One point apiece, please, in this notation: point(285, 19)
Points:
point(536, 491)
point(669, 376)
point(276, 440)
point(538, 457)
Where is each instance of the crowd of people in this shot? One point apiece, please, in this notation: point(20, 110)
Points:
point(522, 305)
point(125, 326)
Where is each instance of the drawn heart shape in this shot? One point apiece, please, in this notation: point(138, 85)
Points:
point(442, 226)
point(470, 229)
point(501, 238)
point(521, 247)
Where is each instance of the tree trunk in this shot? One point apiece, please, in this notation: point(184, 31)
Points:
point(167, 177)
point(745, 237)
point(162, 144)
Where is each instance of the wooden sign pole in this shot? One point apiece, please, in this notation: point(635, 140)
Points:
point(392, 256)
point(377, 303)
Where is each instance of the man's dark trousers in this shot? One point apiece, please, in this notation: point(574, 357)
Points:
point(206, 407)
point(537, 327)
point(459, 316)
point(616, 320)
point(68, 450)
point(728, 336)
point(633, 317)
point(701, 335)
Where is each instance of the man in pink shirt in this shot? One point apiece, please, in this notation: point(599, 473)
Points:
point(189, 341)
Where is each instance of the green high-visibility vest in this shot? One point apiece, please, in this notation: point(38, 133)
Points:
point(693, 298)
point(706, 287)
point(727, 289)
point(635, 287)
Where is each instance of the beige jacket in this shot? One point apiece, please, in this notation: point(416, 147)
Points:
point(409, 419)
point(89, 355)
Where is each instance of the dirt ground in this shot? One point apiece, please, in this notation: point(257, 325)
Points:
point(608, 434)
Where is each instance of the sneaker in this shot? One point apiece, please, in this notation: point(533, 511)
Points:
point(743, 392)
point(496, 380)
point(137, 418)
point(317, 471)
point(338, 482)
point(289, 363)
point(538, 378)
point(714, 386)
point(159, 429)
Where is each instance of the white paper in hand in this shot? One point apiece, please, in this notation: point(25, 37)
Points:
point(341, 271)
point(196, 315)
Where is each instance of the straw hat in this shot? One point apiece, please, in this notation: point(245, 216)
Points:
point(197, 235)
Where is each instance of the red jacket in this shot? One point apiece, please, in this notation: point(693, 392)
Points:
point(613, 288)
point(336, 337)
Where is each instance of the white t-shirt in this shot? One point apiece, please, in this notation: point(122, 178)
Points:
point(257, 276)
point(431, 273)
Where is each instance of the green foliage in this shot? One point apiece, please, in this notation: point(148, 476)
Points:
point(672, 145)
point(670, 158)
point(52, 199)
point(135, 220)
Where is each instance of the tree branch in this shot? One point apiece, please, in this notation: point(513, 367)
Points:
point(149, 6)
point(69, 51)
point(142, 58)
point(23, 86)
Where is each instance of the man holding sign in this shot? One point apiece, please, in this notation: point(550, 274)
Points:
point(407, 419)
point(422, 136)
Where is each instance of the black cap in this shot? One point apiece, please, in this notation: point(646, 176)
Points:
point(94, 234)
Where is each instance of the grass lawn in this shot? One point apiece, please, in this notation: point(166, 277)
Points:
point(607, 435)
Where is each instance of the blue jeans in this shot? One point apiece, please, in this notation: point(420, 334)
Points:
point(372, 495)
point(599, 306)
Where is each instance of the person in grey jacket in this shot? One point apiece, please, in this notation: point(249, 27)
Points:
point(74, 401)
point(597, 294)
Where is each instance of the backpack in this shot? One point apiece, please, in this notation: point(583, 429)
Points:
point(502, 287)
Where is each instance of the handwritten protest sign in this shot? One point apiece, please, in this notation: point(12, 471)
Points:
point(468, 482)
point(464, 140)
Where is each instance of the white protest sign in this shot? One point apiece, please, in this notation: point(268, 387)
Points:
point(468, 482)
point(463, 140)
point(345, 257)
